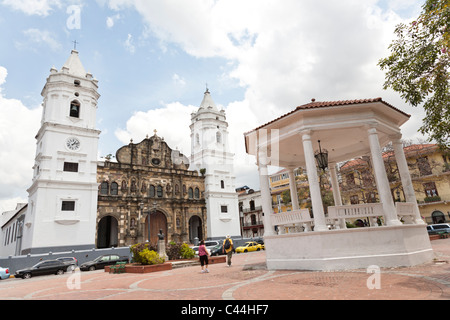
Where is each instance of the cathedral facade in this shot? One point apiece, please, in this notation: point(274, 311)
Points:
point(149, 181)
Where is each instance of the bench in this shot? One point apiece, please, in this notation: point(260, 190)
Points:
point(119, 267)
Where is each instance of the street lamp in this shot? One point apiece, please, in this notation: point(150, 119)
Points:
point(321, 158)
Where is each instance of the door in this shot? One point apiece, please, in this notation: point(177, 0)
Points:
point(158, 221)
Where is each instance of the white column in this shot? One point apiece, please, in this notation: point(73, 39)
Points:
point(336, 191)
point(293, 189)
point(405, 177)
point(384, 190)
point(266, 198)
point(314, 186)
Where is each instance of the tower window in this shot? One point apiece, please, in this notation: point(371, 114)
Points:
point(104, 188)
point(75, 109)
point(222, 184)
point(68, 206)
point(77, 83)
point(70, 167)
point(224, 209)
point(218, 137)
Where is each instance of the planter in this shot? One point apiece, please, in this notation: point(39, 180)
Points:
point(139, 268)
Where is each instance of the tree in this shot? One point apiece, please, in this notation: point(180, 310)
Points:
point(418, 67)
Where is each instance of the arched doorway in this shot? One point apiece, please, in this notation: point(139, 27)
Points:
point(438, 217)
point(195, 228)
point(158, 221)
point(108, 233)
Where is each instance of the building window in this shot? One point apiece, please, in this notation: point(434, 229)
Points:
point(197, 193)
point(152, 191)
point(222, 184)
point(114, 189)
point(191, 193)
point(430, 189)
point(354, 199)
point(424, 166)
point(159, 192)
point(224, 209)
point(70, 167)
point(104, 187)
point(75, 107)
point(68, 206)
point(218, 137)
point(252, 205)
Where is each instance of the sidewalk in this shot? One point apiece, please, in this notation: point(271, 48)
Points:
point(246, 279)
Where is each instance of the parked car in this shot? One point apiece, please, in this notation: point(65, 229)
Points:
point(103, 261)
point(209, 246)
point(248, 247)
point(4, 273)
point(42, 268)
point(70, 262)
point(438, 228)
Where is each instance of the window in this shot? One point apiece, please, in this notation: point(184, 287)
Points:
point(222, 184)
point(114, 189)
point(224, 209)
point(252, 205)
point(430, 189)
point(68, 206)
point(197, 193)
point(152, 191)
point(75, 109)
point(191, 193)
point(104, 188)
point(218, 137)
point(159, 192)
point(354, 199)
point(70, 167)
point(424, 166)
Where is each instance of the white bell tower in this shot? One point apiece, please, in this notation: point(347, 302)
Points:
point(210, 153)
point(62, 201)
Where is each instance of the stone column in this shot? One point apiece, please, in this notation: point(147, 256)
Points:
point(266, 198)
point(314, 186)
point(384, 190)
point(405, 177)
point(293, 189)
point(336, 191)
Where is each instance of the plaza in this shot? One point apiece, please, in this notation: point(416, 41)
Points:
point(247, 279)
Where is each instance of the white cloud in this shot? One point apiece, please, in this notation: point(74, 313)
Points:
point(18, 127)
point(129, 46)
point(178, 80)
point(33, 7)
point(110, 21)
point(39, 37)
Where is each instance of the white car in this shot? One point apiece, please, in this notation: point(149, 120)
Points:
point(4, 273)
point(208, 244)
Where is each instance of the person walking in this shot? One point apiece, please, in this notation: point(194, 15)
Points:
point(228, 249)
point(203, 255)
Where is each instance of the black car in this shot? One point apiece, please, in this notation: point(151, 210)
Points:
point(103, 261)
point(42, 268)
point(70, 262)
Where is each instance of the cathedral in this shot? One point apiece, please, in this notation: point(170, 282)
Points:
point(76, 202)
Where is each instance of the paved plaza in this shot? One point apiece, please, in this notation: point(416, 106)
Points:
point(247, 279)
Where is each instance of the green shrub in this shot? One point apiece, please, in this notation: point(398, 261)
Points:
point(138, 248)
point(186, 252)
point(149, 257)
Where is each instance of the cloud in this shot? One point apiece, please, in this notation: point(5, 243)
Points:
point(18, 144)
point(129, 46)
point(178, 80)
point(110, 21)
point(33, 7)
point(38, 38)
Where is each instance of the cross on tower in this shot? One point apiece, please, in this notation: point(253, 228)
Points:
point(75, 44)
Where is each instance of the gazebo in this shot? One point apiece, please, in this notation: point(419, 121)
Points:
point(329, 133)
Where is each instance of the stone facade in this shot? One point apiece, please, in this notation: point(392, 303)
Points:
point(149, 179)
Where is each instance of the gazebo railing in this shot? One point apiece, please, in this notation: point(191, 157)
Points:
point(299, 218)
point(405, 212)
point(356, 211)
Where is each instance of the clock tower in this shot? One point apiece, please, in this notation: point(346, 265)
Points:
point(62, 201)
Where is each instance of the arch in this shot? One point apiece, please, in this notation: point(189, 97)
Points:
point(75, 108)
point(438, 216)
point(158, 221)
point(107, 232)
point(195, 228)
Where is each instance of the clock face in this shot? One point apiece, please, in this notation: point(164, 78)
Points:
point(73, 144)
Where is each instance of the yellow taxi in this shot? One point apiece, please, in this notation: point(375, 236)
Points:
point(248, 247)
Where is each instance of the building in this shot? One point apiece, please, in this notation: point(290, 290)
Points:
point(429, 167)
point(250, 211)
point(62, 200)
point(280, 190)
point(149, 180)
point(211, 156)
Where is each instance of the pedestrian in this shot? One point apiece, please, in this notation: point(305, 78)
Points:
point(203, 255)
point(228, 249)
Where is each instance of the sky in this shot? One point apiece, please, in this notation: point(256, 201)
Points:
point(154, 59)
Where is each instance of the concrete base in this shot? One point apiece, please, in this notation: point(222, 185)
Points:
point(358, 248)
